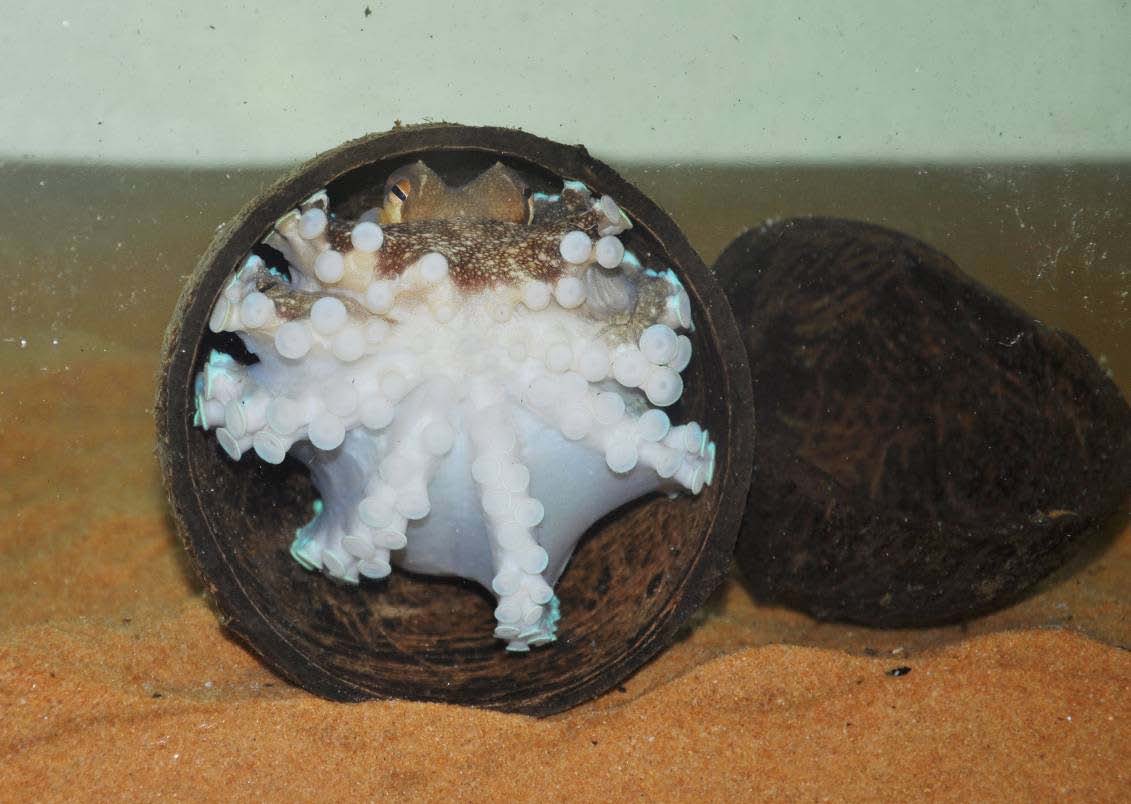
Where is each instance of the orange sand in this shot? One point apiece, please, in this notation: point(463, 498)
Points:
point(115, 679)
point(98, 710)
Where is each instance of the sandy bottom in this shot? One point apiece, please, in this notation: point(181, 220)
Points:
point(115, 678)
point(116, 681)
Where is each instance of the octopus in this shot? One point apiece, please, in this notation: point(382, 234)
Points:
point(473, 376)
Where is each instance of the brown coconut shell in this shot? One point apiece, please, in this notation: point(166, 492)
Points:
point(927, 451)
point(634, 579)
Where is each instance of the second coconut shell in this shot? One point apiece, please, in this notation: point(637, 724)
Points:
point(926, 450)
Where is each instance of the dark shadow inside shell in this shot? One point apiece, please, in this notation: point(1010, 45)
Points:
point(635, 577)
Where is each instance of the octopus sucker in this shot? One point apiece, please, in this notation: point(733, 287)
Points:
point(473, 377)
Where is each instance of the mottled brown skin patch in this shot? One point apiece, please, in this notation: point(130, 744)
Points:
point(652, 298)
point(338, 235)
point(292, 304)
point(480, 253)
point(557, 208)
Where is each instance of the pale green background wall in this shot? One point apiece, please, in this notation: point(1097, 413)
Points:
point(211, 81)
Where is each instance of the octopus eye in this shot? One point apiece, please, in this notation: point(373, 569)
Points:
point(400, 190)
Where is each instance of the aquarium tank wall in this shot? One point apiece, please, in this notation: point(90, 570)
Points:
point(988, 144)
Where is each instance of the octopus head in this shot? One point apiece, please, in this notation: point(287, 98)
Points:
point(473, 376)
point(415, 192)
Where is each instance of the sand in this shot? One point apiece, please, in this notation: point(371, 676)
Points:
point(117, 682)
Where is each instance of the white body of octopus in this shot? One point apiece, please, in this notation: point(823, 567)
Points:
point(476, 435)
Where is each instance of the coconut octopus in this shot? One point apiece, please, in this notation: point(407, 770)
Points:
point(473, 375)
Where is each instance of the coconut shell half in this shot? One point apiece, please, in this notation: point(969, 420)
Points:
point(927, 451)
point(634, 579)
